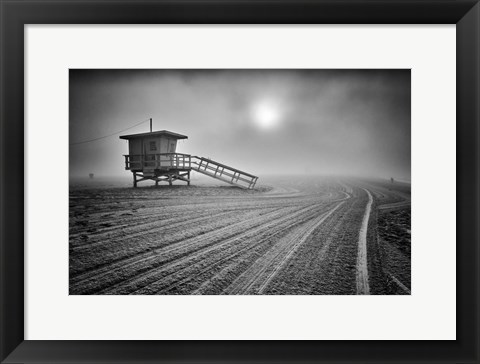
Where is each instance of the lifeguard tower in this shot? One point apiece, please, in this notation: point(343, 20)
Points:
point(153, 156)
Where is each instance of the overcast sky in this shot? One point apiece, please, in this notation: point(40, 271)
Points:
point(347, 122)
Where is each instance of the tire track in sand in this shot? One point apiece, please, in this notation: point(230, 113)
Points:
point(278, 231)
point(200, 255)
point(363, 287)
point(257, 274)
point(209, 238)
point(295, 247)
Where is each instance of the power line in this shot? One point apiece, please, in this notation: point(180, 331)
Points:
point(109, 135)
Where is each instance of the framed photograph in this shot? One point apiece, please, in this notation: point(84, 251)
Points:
point(239, 181)
point(305, 227)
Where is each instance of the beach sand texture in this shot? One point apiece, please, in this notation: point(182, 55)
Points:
point(299, 235)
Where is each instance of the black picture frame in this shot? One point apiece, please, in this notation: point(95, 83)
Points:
point(15, 14)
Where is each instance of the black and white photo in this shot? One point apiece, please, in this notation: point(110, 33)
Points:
point(240, 182)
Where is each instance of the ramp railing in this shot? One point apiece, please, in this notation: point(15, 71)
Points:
point(223, 172)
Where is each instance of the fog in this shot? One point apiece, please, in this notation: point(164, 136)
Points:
point(309, 122)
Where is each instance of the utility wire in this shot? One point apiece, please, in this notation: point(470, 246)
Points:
point(109, 135)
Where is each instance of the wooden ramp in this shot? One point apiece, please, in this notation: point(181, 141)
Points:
point(223, 172)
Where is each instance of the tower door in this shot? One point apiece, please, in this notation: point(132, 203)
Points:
point(150, 149)
point(172, 144)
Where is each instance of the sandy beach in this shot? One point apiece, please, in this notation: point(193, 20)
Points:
point(297, 236)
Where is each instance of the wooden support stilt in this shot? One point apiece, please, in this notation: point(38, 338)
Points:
point(134, 179)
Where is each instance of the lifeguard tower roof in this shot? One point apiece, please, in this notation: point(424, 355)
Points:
point(154, 134)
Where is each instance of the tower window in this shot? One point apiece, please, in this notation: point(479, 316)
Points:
point(153, 146)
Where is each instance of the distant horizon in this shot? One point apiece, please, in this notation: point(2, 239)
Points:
point(196, 176)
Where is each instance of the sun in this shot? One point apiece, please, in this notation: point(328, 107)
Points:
point(266, 115)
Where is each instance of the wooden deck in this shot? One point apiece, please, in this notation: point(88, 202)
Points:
point(171, 166)
point(161, 161)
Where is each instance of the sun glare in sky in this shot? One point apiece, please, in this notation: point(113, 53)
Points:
point(266, 115)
